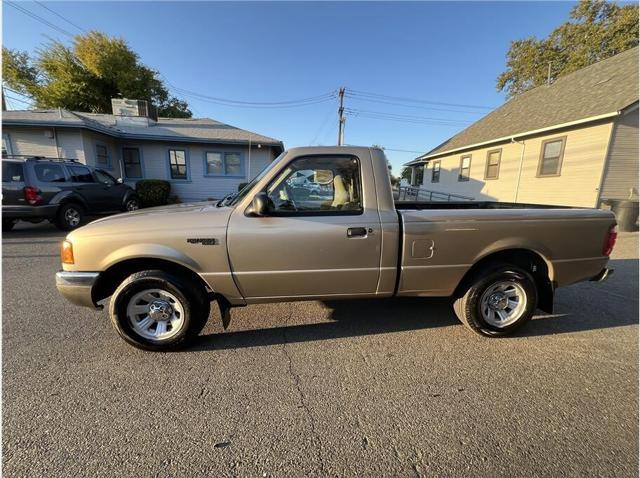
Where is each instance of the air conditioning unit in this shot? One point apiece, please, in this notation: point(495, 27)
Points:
point(134, 108)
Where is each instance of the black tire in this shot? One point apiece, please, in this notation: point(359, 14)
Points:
point(70, 216)
point(7, 224)
point(192, 299)
point(467, 305)
point(129, 204)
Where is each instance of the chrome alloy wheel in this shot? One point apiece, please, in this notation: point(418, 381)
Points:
point(155, 314)
point(503, 303)
point(132, 205)
point(72, 217)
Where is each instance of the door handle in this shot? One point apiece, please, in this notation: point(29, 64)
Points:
point(357, 232)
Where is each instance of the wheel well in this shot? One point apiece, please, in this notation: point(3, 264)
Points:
point(111, 278)
point(526, 259)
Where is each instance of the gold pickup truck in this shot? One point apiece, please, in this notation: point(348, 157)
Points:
point(321, 223)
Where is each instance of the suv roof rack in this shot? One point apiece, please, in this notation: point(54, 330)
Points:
point(39, 158)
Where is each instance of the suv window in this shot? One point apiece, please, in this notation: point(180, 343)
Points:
point(104, 177)
point(49, 173)
point(318, 184)
point(12, 172)
point(81, 174)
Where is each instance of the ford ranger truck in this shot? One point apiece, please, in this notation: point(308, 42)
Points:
point(321, 223)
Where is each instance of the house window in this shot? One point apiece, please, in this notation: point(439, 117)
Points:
point(6, 145)
point(232, 164)
point(132, 163)
point(223, 164)
point(493, 164)
point(178, 163)
point(435, 172)
point(551, 155)
point(102, 155)
point(214, 164)
point(465, 167)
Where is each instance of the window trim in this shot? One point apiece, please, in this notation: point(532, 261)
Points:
point(433, 171)
point(7, 139)
point(124, 169)
point(187, 179)
point(560, 158)
point(106, 147)
point(462, 178)
point(224, 165)
point(486, 168)
point(353, 212)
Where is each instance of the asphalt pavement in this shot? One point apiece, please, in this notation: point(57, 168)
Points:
point(351, 388)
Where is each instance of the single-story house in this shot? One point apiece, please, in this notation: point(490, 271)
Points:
point(573, 142)
point(201, 157)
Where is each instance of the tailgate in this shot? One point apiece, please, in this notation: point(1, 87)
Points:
point(13, 183)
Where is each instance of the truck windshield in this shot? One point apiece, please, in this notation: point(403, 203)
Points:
point(237, 197)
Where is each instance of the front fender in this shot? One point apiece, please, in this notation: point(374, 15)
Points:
point(152, 251)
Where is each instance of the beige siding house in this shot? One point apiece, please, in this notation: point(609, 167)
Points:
point(574, 142)
point(202, 158)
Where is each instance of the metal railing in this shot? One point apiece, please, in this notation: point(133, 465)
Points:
point(409, 193)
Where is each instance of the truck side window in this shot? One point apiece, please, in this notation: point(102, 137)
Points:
point(318, 184)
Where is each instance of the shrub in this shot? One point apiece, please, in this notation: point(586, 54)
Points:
point(153, 192)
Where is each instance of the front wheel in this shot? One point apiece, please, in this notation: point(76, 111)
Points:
point(499, 302)
point(132, 204)
point(153, 310)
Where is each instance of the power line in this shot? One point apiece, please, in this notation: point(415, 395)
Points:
point(393, 103)
point(414, 100)
point(402, 116)
point(60, 16)
point(18, 99)
point(39, 18)
point(405, 118)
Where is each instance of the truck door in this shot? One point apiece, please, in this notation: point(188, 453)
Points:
point(321, 236)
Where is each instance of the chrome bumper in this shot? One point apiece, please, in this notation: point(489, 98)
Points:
point(76, 287)
point(603, 275)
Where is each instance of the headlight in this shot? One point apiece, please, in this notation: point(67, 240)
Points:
point(66, 252)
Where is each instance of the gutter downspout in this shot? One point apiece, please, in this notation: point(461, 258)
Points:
point(513, 140)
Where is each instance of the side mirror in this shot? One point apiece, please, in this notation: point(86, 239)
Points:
point(119, 181)
point(260, 206)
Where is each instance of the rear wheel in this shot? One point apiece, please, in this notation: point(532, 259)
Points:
point(7, 224)
point(153, 310)
point(70, 216)
point(498, 302)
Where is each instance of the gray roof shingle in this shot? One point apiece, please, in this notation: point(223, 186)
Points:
point(604, 87)
point(165, 129)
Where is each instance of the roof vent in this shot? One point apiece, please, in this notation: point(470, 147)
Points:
point(133, 112)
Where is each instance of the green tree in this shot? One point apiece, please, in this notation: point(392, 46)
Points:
point(86, 75)
point(597, 29)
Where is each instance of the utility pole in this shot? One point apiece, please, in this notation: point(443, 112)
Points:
point(341, 118)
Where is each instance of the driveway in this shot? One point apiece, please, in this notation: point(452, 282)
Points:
point(354, 388)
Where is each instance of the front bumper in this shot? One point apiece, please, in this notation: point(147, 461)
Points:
point(76, 287)
point(603, 275)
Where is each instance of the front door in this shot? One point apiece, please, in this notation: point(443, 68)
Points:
point(319, 239)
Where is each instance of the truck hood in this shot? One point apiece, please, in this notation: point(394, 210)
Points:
point(156, 220)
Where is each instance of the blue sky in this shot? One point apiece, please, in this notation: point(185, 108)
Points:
point(442, 53)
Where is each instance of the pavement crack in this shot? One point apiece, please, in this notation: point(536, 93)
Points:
point(303, 398)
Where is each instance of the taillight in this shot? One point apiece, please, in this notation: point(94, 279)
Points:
point(32, 195)
point(610, 241)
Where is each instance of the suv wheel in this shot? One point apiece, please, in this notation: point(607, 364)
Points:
point(70, 216)
point(132, 204)
point(7, 224)
point(153, 310)
point(498, 303)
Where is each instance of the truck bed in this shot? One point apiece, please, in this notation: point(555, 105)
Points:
point(420, 205)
